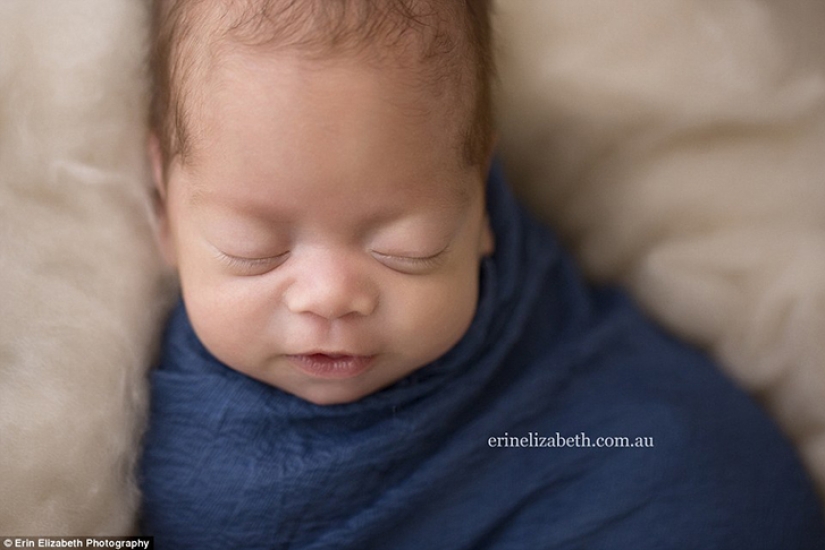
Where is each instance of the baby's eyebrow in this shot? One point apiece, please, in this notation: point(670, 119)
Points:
point(200, 200)
point(195, 196)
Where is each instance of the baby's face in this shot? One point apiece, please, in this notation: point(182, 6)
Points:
point(327, 233)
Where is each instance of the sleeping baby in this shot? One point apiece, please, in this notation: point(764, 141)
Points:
point(376, 347)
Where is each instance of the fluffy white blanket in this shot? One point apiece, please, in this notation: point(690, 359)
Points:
point(80, 280)
point(676, 144)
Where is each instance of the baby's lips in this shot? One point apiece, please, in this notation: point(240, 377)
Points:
point(332, 365)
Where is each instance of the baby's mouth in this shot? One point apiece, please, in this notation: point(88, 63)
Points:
point(337, 366)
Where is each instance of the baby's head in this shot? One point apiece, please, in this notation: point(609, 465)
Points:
point(321, 167)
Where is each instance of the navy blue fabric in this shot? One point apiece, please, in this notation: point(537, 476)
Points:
point(233, 463)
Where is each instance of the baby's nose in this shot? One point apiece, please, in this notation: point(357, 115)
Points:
point(330, 287)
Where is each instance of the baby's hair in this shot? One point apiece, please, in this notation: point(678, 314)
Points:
point(451, 41)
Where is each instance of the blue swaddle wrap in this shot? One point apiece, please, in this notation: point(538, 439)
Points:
point(429, 462)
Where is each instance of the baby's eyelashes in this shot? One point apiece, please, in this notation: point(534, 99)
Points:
point(251, 266)
point(412, 265)
point(409, 264)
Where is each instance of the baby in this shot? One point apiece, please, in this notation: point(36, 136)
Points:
point(376, 347)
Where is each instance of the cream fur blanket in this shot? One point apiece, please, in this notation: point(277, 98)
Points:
point(679, 146)
point(676, 144)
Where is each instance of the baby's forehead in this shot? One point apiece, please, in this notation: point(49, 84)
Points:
point(430, 29)
point(436, 42)
point(420, 37)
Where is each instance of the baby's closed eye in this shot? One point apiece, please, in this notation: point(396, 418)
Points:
point(411, 263)
point(251, 266)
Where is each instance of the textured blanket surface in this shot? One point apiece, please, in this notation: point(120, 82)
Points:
point(428, 463)
point(675, 144)
point(677, 147)
point(80, 281)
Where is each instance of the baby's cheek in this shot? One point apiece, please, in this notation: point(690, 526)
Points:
point(439, 316)
point(223, 321)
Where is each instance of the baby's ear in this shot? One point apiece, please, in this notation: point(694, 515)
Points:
point(157, 161)
point(165, 240)
point(491, 154)
point(488, 239)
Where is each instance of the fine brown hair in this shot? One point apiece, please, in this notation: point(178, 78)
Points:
point(452, 39)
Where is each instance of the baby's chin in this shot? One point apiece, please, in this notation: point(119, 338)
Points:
point(335, 393)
